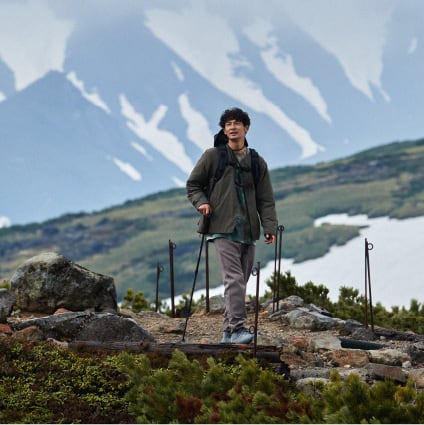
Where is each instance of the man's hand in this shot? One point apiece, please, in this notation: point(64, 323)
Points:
point(205, 209)
point(269, 238)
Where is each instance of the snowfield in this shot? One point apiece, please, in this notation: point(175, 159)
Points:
point(396, 262)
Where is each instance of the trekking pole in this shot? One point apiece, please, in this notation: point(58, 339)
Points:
point(280, 229)
point(172, 246)
point(159, 269)
point(274, 289)
point(194, 284)
point(368, 247)
point(256, 272)
point(207, 275)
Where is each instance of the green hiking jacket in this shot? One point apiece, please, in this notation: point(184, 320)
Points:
point(223, 199)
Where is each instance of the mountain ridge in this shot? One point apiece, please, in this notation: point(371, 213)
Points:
point(314, 89)
point(130, 240)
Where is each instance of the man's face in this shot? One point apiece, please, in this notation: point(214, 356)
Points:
point(235, 130)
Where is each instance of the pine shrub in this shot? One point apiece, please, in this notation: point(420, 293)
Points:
point(42, 384)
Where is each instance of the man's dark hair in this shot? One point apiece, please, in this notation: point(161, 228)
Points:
point(234, 114)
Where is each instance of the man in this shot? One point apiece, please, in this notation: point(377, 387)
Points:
point(234, 206)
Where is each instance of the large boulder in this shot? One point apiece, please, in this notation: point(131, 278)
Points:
point(7, 301)
point(85, 326)
point(50, 281)
point(110, 328)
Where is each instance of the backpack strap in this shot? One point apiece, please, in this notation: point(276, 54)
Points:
point(255, 165)
point(223, 162)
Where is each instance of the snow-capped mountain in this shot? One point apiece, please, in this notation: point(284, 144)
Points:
point(103, 100)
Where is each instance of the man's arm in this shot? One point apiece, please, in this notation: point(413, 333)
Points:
point(197, 184)
point(265, 203)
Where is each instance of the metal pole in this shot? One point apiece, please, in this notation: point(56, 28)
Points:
point(207, 275)
point(280, 239)
point(256, 272)
point(159, 269)
point(369, 247)
point(172, 246)
point(194, 285)
point(276, 279)
point(366, 285)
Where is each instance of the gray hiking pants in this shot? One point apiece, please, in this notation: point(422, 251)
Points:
point(236, 262)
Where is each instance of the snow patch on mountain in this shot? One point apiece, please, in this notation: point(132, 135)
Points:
point(178, 182)
point(32, 40)
point(413, 46)
point(141, 149)
point(395, 262)
point(128, 169)
point(351, 28)
point(223, 65)
point(4, 222)
point(93, 97)
point(395, 265)
point(198, 130)
point(163, 141)
point(281, 66)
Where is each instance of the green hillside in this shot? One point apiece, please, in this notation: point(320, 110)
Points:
point(129, 241)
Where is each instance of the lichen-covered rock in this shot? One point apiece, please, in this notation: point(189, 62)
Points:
point(50, 281)
point(7, 301)
point(85, 326)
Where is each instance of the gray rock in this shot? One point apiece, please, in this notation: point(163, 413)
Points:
point(50, 281)
point(382, 372)
point(310, 372)
point(349, 327)
point(106, 327)
point(303, 318)
point(87, 326)
point(417, 376)
point(325, 342)
point(216, 304)
point(294, 300)
point(58, 326)
point(389, 356)
point(416, 353)
point(312, 386)
point(365, 334)
point(7, 301)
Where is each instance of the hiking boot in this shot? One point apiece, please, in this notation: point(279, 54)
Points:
point(241, 336)
point(226, 337)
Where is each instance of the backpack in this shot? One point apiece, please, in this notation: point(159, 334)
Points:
point(220, 141)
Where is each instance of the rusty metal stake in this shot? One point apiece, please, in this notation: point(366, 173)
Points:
point(159, 270)
point(256, 272)
point(172, 246)
point(276, 278)
point(280, 230)
point(368, 247)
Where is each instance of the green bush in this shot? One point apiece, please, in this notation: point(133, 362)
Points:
point(43, 384)
point(286, 285)
point(353, 401)
point(245, 392)
point(135, 301)
point(187, 392)
point(5, 284)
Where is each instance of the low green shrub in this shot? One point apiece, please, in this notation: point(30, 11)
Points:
point(187, 392)
point(42, 384)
